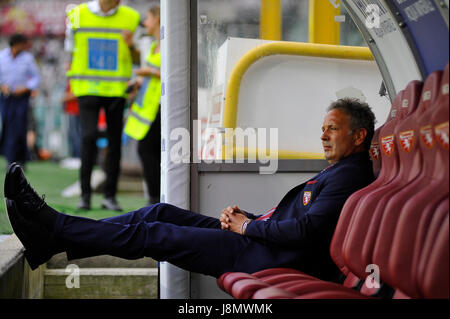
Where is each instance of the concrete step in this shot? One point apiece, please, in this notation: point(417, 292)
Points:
point(104, 261)
point(101, 283)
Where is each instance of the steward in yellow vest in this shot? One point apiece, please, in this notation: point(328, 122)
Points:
point(97, 35)
point(144, 120)
point(146, 105)
point(101, 61)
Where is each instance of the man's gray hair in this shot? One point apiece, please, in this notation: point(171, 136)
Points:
point(361, 116)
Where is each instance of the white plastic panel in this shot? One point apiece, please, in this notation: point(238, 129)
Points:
point(291, 93)
point(286, 93)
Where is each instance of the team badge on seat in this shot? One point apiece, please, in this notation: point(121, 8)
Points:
point(407, 140)
point(441, 132)
point(375, 151)
point(426, 132)
point(387, 143)
point(306, 197)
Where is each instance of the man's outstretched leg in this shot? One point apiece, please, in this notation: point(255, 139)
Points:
point(210, 251)
point(204, 250)
point(23, 206)
point(166, 213)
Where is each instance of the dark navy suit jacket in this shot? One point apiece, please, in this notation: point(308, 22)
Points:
point(299, 232)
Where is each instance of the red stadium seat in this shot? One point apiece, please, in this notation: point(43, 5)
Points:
point(273, 293)
point(245, 289)
point(429, 224)
point(332, 295)
point(435, 278)
point(425, 196)
point(276, 271)
point(375, 153)
point(396, 241)
point(359, 240)
point(303, 288)
point(375, 145)
point(348, 210)
point(229, 279)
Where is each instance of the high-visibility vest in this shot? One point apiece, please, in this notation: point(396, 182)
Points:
point(101, 61)
point(146, 105)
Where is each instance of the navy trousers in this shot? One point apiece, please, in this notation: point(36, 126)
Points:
point(14, 113)
point(89, 112)
point(163, 232)
point(149, 150)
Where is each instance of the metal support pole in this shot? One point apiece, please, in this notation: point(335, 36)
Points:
point(322, 25)
point(270, 20)
point(175, 115)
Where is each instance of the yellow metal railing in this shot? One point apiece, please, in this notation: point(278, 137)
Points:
point(246, 153)
point(280, 48)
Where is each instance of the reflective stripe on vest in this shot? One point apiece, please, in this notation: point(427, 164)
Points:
point(140, 118)
point(98, 78)
point(101, 62)
point(146, 105)
point(102, 30)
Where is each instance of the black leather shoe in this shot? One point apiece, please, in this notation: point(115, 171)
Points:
point(111, 204)
point(18, 189)
point(39, 243)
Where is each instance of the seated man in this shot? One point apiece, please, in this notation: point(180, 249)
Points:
point(296, 235)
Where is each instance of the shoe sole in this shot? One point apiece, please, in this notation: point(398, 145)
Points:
point(34, 259)
point(7, 176)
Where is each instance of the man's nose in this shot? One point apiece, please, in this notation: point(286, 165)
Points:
point(324, 136)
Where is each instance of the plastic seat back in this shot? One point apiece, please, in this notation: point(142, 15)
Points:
point(345, 217)
point(359, 240)
point(433, 279)
point(375, 145)
point(390, 199)
point(375, 153)
point(419, 199)
point(396, 243)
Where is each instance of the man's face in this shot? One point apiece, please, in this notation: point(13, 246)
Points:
point(337, 138)
point(110, 3)
point(19, 47)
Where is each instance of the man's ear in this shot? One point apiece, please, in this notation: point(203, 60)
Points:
point(359, 136)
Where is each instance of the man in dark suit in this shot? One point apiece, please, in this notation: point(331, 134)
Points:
point(296, 234)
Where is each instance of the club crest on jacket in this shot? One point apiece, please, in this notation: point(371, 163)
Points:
point(306, 197)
